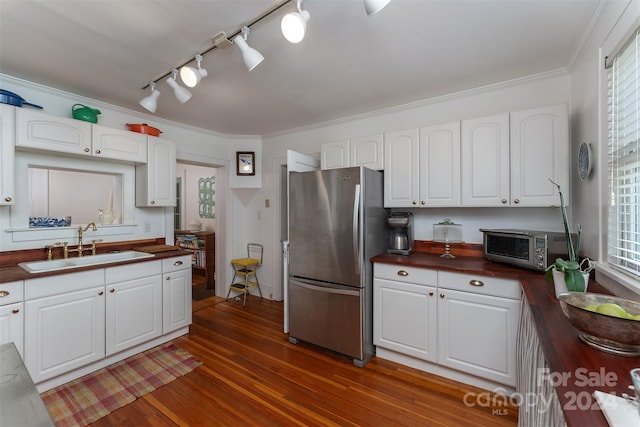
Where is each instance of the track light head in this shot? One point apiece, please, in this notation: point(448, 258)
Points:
point(375, 6)
point(192, 76)
point(294, 24)
point(181, 93)
point(151, 102)
point(250, 56)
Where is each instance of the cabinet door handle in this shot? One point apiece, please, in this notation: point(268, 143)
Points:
point(441, 295)
point(15, 310)
point(112, 290)
point(168, 278)
point(4, 294)
point(177, 263)
point(414, 202)
point(7, 199)
point(430, 293)
point(402, 273)
point(423, 203)
point(516, 201)
point(101, 293)
point(476, 282)
point(97, 151)
point(153, 202)
point(87, 149)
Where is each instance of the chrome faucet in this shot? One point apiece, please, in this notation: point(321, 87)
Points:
point(80, 249)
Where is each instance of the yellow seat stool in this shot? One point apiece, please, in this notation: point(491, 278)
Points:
point(244, 271)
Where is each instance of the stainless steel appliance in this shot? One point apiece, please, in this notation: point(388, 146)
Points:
point(336, 224)
point(401, 238)
point(524, 248)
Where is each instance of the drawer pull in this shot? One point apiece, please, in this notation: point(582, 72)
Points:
point(112, 290)
point(101, 293)
point(430, 293)
point(441, 295)
point(177, 263)
point(402, 273)
point(15, 311)
point(168, 278)
point(4, 294)
point(7, 199)
point(476, 283)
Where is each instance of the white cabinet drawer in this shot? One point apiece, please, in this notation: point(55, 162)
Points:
point(175, 264)
point(63, 283)
point(401, 273)
point(11, 292)
point(479, 284)
point(123, 273)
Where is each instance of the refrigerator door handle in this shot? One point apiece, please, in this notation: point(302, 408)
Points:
point(356, 228)
point(327, 290)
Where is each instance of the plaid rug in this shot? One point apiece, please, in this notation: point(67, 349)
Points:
point(87, 399)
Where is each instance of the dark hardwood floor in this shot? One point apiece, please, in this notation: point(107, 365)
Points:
point(251, 375)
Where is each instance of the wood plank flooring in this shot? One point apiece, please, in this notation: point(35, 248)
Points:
point(252, 376)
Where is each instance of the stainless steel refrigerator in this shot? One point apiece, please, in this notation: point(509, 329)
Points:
point(337, 222)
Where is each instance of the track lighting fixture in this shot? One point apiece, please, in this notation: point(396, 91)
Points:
point(294, 24)
point(181, 93)
point(250, 56)
point(151, 102)
point(375, 6)
point(191, 76)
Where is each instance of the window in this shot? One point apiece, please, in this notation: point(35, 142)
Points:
point(623, 248)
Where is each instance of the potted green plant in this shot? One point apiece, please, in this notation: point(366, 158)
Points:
point(573, 273)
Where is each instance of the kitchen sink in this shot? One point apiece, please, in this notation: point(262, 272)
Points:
point(64, 264)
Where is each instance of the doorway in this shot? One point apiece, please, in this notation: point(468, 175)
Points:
point(196, 219)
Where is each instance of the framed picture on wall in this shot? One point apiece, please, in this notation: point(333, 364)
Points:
point(245, 163)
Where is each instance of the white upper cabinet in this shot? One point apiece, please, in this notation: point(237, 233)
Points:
point(119, 144)
point(156, 179)
point(402, 169)
point(422, 167)
point(7, 183)
point(440, 165)
point(485, 161)
point(35, 129)
point(539, 152)
point(334, 155)
point(366, 151)
point(508, 159)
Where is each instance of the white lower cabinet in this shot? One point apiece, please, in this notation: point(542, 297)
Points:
point(12, 314)
point(76, 323)
point(405, 317)
point(176, 292)
point(460, 321)
point(64, 323)
point(134, 306)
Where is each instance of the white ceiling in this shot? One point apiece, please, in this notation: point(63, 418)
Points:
point(347, 64)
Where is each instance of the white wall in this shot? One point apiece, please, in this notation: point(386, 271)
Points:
point(587, 107)
point(589, 111)
point(551, 88)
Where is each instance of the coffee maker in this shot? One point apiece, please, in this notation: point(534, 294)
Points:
point(401, 238)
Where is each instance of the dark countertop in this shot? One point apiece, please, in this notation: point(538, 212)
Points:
point(586, 368)
point(14, 273)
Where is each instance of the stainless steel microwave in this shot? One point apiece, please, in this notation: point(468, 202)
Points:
point(524, 248)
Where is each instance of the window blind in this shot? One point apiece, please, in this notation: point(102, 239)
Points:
point(623, 249)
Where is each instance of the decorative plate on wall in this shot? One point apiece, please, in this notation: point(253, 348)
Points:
point(584, 161)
